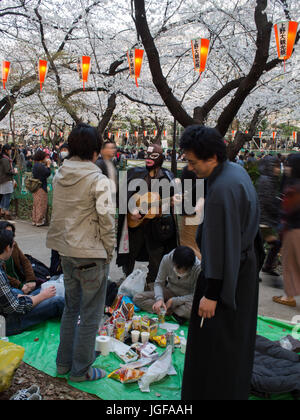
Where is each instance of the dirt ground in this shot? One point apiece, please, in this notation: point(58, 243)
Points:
point(50, 388)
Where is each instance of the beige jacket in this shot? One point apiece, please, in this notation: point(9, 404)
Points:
point(83, 215)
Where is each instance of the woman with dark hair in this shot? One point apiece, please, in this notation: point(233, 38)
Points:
point(41, 171)
point(291, 235)
point(6, 181)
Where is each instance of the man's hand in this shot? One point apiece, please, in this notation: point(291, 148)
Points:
point(48, 293)
point(28, 287)
point(207, 308)
point(169, 306)
point(158, 305)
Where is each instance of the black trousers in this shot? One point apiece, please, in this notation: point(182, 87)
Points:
point(142, 238)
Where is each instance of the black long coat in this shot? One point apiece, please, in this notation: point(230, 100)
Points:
point(219, 358)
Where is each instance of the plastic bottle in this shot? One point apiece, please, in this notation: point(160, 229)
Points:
point(3, 328)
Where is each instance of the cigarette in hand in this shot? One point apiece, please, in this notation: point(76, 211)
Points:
point(202, 322)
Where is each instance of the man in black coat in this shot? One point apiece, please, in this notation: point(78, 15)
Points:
point(221, 342)
point(153, 238)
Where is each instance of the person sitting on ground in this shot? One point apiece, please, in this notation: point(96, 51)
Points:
point(174, 286)
point(20, 311)
point(18, 268)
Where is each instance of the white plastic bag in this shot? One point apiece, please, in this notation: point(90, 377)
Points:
point(134, 284)
point(58, 284)
point(158, 370)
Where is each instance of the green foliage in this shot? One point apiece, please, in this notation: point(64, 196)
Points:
point(253, 171)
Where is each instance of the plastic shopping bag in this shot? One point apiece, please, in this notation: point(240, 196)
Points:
point(161, 368)
point(134, 284)
point(11, 357)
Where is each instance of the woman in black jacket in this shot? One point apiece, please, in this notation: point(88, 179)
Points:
point(41, 171)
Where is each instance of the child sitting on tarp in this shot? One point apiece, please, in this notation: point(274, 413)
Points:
point(20, 311)
point(174, 286)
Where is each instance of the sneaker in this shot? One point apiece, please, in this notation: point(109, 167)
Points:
point(270, 272)
point(26, 394)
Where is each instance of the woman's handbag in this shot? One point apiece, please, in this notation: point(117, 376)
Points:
point(32, 184)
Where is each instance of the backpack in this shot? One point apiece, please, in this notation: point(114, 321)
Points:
point(32, 184)
point(41, 271)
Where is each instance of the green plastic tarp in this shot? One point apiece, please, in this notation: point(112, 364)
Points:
point(41, 345)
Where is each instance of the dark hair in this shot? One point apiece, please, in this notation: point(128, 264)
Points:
point(39, 156)
point(204, 142)
point(5, 225)
point(5, 149)
point(106, 142)
point(184, 257)
point(6, 239)
point(84, 141)
point(64, 146)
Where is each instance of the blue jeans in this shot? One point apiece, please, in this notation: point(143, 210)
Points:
point(85, 293)
point(48, 309)
point(5, 202)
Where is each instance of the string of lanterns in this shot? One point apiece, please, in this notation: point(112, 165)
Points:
point(285, 35)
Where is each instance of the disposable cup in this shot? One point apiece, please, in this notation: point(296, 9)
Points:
point(145, 337)
point(135, 335)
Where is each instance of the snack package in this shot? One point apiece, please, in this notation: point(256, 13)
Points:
point(145, 324)
point(120, 329)
point(136, 323)
point(161, 340)
point(153, 328)
point(127, 375)
point(117, 302)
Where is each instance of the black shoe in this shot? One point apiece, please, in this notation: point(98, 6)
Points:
point(270, 272)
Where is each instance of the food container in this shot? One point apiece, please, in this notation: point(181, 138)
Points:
point(120, 329)
point(136, 323)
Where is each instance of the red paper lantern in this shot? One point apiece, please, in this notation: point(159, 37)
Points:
point(285, 34)
point(5, 72)
point(200, 48)
point(260, 134)
point(43, 69)
point(135, 60)
point(155, 133)
point(274, 135)
point(84, 67)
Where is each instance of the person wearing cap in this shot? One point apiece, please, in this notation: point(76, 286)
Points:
point(154, 238)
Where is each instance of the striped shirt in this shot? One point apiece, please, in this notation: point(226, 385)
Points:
point(9, 303)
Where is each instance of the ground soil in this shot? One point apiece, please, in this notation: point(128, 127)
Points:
point(50, 388)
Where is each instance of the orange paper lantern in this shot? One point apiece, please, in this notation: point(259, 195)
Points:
point(43, 69)
point(260, 134)
point(5, 72)
point(200, 49)
point(135, 60)
point(84, 67)
point(274, 135)
point(285, 34)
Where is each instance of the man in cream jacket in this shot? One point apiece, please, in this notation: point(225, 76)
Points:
point(82, 231)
